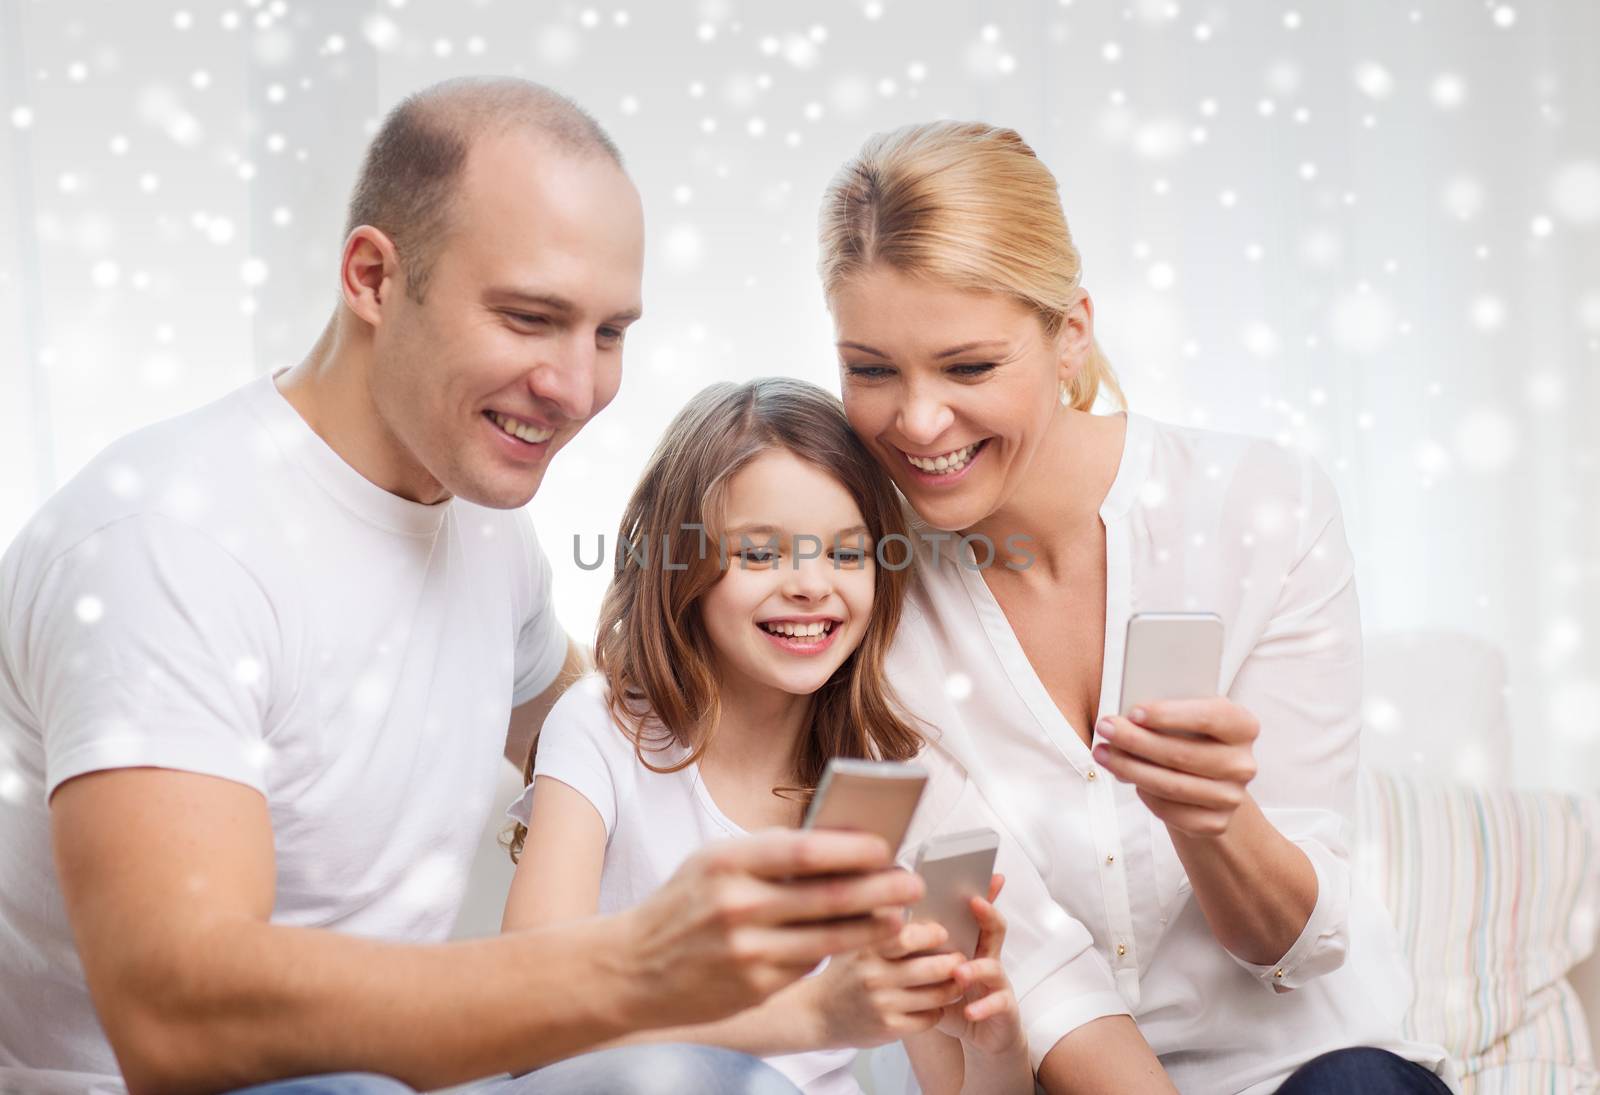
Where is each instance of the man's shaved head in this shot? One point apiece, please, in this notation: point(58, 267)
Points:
point(415, 161)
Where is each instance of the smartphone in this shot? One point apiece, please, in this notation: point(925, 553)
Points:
point(873, 796)
point(956, 867)
point(1171, 656)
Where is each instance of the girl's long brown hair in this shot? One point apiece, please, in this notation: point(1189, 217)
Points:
point(651, 643)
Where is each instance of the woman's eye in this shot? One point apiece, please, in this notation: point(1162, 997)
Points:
point(868, 372)
point(975, 369)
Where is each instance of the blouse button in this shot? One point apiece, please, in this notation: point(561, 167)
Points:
point(1091, 775)
point(1122, 950)
point(1278, 974)
point(1111, 859)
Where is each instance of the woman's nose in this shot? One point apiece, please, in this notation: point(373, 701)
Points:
point(923, 419)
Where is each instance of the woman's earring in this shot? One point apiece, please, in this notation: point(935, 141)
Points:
point(1066, 396)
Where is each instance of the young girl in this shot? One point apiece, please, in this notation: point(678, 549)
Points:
point(758, 581)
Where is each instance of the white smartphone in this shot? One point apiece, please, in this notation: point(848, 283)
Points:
point(956, 867)
point(872, 796)
point(1171, 656)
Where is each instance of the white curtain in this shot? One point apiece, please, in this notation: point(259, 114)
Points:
point(1369, 229)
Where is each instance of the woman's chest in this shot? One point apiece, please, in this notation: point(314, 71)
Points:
point(1062, 633)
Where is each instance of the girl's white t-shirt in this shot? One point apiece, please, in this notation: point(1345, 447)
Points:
point(1194, 521)
point(656, 820)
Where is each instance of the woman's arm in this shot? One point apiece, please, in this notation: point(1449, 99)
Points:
point(1269, 865)
point(1106, 1056)
point(1255, 887)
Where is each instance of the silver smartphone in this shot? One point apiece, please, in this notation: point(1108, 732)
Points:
point(872, 796)
point(1171, 656)
point(956, 867)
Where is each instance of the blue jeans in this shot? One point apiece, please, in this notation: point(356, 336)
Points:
point(631, 1070)
point(1362, 1069)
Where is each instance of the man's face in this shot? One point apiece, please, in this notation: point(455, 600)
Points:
point(518, 341)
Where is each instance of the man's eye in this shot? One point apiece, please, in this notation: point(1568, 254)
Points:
point(527, 319)
point(609, 336)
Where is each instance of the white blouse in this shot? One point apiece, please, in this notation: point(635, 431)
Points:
point(1195, 521)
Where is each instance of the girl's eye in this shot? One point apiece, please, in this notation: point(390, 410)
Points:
point(972, 370)
point(868, 372)
point(759, 556)
point(850, 557)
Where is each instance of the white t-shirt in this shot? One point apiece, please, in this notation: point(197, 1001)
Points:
point(1195, 521)
point(222, 594)
point(656, 820)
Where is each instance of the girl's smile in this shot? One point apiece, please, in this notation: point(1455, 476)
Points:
point(797, 594)
point(805, 636)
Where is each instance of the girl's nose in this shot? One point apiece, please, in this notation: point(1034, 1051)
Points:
point(810, 575)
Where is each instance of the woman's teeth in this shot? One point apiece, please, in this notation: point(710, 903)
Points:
point(520, 430)
point(812, 631)
point(946, 464)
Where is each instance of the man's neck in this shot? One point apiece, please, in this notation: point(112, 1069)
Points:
point(329, 390)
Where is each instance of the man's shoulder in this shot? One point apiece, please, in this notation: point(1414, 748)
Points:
point(175, 472)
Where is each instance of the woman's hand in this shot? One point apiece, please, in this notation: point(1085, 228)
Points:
point(1194, 784)
point(888, 992)
point(987, 1019)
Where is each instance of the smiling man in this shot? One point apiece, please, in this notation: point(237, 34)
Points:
point(258, 665)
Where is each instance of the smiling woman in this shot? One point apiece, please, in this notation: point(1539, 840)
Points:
point(1211, 869)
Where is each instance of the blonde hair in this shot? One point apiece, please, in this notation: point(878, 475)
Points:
point(651, 644)
point(964, 204)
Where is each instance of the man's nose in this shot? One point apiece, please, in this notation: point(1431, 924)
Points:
point(565, 376)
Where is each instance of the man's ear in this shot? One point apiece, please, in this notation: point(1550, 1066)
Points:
point(368, 273)
point(1075, 338)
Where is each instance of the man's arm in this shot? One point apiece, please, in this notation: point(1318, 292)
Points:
point(168, 880)
point(527, 718)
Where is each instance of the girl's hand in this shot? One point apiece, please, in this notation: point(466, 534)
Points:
point(986, 1019)
point(1195, 785)
point(888, 992)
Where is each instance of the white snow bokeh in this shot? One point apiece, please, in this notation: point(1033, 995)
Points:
point(1368, 232)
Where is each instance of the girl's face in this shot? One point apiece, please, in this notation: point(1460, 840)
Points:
point(952, 390)
point(796, 597)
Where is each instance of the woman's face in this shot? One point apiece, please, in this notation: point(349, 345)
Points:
point(952, 390)
point(797, 596)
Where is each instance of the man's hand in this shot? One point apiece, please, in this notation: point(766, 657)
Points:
point(744, 918)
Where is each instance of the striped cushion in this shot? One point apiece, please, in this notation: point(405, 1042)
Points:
point(1496, 895)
